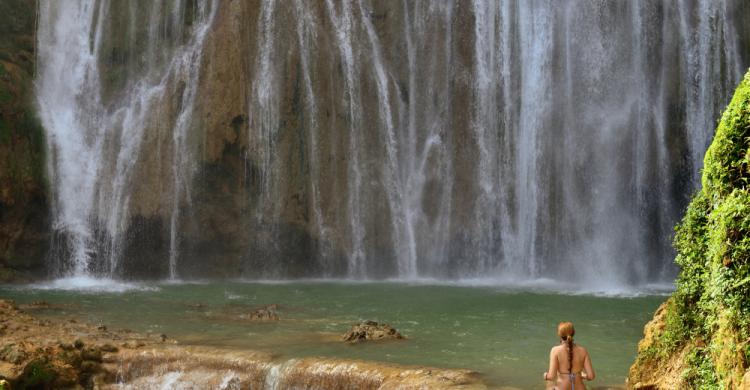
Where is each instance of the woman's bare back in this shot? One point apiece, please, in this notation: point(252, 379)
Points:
point(560, 366)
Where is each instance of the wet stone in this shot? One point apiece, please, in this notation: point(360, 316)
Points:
point(89, 366)
point(13, 354)
point(263, 314)
point(108, 348)
point(92, 354)
point(66, 346)
point(371, 330)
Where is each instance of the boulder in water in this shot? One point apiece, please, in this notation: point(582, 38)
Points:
point(265, 313)
point(371, 330)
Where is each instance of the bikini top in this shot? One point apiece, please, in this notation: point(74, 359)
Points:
point(572, 378)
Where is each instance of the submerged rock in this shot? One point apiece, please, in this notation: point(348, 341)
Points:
point(13, 354)
point(265, 313)
point(65, 356)
point(48, 354)
point(202, 367)
point(371, 330)
point(37, 305)
point(92, 353)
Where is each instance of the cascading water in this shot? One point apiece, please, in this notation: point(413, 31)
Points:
point(94, 140)
point(509, 139)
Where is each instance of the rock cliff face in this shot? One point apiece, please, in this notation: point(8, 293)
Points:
point(700, 338)
point(24, 210)
point(370, 139)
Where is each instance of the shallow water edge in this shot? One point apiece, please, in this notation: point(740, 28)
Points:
point(504, 333)
point(67, 354)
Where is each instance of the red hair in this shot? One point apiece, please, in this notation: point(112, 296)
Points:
point(566, 331)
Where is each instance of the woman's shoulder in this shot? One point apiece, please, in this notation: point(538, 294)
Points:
point(581, 349)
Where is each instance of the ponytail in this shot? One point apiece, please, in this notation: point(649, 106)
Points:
point(569, 341)
point(566, 331)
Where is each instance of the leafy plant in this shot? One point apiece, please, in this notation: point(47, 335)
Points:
point(709, 312)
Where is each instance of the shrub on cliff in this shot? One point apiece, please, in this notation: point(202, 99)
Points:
point(705, 332)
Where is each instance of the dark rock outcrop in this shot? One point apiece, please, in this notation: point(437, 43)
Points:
point(24, 207)
point(369, 331)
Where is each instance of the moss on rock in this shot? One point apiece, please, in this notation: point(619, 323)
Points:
point(704, 328)
point(24, 216)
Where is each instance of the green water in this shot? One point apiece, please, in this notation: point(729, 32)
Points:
point(505, 335)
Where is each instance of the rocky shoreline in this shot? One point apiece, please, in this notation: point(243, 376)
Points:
point(60, 354)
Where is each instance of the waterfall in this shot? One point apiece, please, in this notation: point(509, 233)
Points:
point(94, 140)
point(508, 140)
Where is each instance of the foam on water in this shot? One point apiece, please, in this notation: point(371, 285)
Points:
point(539, 285)
point(89, 284)
point(550, 286)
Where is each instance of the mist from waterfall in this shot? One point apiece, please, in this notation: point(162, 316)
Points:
point(507, 140)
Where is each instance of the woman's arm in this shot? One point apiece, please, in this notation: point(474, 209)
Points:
point(551, 374)
point(590, 374)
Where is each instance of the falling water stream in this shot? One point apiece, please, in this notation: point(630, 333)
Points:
point(505, 140)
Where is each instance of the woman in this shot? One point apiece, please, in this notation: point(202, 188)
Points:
point(569, 364)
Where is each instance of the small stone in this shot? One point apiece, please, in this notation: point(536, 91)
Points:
point(89, 366)
point(66, 346)
point(78, 344)
point(266, 313)
point(15, 355)
point(108, 348)
point(745, 384)
point(92, 354)
point(163, 337)
point(73, 358)
point(101, 328)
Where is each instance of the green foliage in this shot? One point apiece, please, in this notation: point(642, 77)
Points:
point(726, 161)
point(691, 242)
point(4, 132)
point(37, 373)
point(709, 312)
point(701, 373)
point(681, 324)
point(33, 130)
point(5, 95)
point(191, 8)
